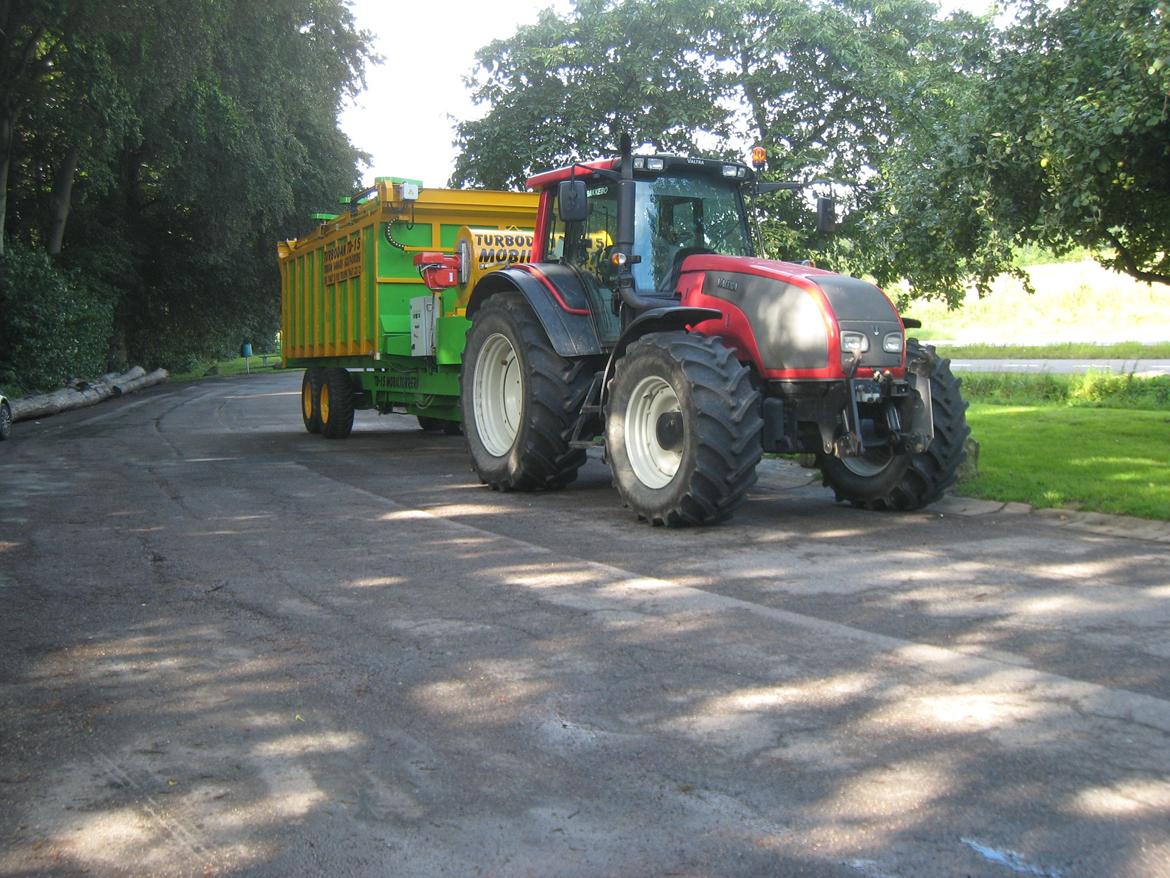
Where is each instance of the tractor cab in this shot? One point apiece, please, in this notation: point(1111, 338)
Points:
point(681, 207)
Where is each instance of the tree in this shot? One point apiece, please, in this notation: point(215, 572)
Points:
point(831, 88)
point(158, 148)
point(1061, 138)
point(567, 88)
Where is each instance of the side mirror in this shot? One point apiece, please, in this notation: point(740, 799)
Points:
point(572, 204)
point(826, 214)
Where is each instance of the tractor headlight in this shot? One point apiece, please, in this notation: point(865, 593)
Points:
point(655, 164)
point(854, 343)
point(892, 343)
point(730, 171)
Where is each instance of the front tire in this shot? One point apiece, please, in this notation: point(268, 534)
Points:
point(520, 400)
point(682, 429)
point(906, 482)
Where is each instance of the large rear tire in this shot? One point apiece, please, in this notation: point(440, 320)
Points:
point(905, 482)
point(336, 404)
point(520, 400)
point(682, 429)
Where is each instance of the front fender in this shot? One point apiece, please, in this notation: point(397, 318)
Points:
point(666, 319)
point(566, 322)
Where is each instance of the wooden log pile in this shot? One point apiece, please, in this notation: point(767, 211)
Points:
point(78, 394)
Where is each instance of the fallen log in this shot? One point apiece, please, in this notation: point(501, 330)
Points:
point(83, 394)
point(123, 385)
point(59, 401)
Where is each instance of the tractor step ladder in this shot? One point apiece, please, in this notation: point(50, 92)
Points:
point(589, 410)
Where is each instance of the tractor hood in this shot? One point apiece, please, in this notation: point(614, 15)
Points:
point(800, 316)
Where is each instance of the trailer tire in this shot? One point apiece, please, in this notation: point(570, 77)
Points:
point(683, 429)
point(520, 399)
point(914, 480)
point(311, 398)
point(336, 404)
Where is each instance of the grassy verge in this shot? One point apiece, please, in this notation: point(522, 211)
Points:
point(1126, 350)
point(1091, 389)
point(227, 368)
point(1073, 301)
point(1099, 459)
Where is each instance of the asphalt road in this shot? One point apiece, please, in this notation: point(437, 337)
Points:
point(230, 647)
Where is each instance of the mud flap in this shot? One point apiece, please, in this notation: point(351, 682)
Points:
point(919, 372)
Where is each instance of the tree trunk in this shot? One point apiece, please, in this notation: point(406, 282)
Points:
point(85, 394)
point(62, 199)
point(156, 377)
point(7, 133)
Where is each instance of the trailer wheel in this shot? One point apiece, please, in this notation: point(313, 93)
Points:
point(311, 398)
point(906, 482)
point(520, 400)
point(336, 404)
point(682, 429)
point(5, 420)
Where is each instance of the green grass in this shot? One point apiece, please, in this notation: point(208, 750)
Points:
point(227, 368)
point(1105, 460)
point(1090, 390)
point(1074, 301)
point(1127, 350)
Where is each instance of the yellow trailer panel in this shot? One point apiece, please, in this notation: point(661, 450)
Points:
point(346, 287)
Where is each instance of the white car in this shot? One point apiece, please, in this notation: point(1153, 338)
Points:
point(5, 417)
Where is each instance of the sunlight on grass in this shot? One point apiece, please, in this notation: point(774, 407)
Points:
point(1078, 301)
point(1107, 460)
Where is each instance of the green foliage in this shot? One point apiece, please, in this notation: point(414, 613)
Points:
point(567, 88)
point(830, 88)
point(1056, 134)
point(1103, 460)
point(54, 325)
point(952, 143)
point(201, 133)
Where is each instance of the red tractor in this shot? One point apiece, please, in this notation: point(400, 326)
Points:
point(645, 324)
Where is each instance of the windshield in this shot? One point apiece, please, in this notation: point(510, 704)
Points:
point(674, 216)
point(677, 216)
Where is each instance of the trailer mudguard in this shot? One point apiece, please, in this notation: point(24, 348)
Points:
point(557, 298)
point(665, 319)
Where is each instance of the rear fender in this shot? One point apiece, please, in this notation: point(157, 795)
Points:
point(561, 311)
point(667, 319)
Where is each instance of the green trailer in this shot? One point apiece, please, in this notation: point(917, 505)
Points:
point(358, 316)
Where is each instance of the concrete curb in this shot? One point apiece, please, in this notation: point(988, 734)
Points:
point(787, 475)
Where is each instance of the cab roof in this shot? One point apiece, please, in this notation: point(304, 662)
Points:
point(646, 165)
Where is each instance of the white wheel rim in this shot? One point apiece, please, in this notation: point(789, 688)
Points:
point(653, 464)
point(866, 465)
point(499, 395)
